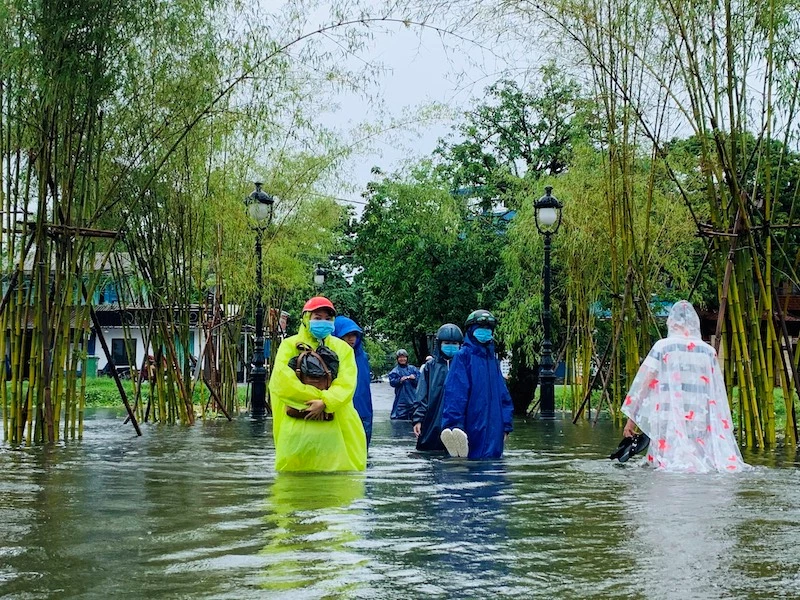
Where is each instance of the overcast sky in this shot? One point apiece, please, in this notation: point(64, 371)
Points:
point(421, 70)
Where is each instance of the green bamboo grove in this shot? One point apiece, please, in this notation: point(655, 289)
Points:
point(722, 76)
point(52, 130)
point(127, 154)
point(60, 126)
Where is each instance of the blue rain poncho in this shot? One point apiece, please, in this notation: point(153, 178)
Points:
point(476, 398)
point(428, 404)
point(362, 399)
point(405, 392)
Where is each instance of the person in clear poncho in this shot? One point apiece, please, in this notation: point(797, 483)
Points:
point(678, 399)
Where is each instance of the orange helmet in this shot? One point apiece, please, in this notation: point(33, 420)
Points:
point(318, 302)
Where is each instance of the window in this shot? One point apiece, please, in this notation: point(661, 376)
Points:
point(119, 354)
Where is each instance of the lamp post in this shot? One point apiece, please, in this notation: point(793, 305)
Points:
point(547, 211)
point(259, 208)
point(319, 276)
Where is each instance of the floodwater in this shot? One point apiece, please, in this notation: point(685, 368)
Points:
point(199, 513)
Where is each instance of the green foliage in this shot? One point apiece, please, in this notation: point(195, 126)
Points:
point(381, 355)
point(662, 231)
point(430, 241)
point(426, 258)
point(515, 133)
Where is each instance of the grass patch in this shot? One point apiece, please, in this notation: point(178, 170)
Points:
point(102, 392)
point(564, 400)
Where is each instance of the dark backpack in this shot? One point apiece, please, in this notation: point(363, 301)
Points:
point(315, 367)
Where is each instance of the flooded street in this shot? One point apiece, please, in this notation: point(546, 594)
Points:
point(199, 513)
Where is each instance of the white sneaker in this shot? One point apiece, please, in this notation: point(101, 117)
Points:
point(456, 442)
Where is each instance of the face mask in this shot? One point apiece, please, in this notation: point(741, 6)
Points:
point(320, 329)
point(449, 349)
point(482, 334)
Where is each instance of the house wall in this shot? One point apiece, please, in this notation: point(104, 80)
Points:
point(111, 333)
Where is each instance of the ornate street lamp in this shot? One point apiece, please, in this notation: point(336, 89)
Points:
point(259, 208)
point(547, 211)
point(319, 276)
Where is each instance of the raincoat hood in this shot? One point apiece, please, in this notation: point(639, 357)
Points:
point(683, 321)
point(447, 334)
point(304, 333)
point(437, 355)
point(345, 325)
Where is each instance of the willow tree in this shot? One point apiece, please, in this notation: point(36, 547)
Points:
point(722, 72)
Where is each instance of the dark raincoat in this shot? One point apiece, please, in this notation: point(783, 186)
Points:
point(405, 392)
point(428, 405)
point(476, 398)
point(362, 399)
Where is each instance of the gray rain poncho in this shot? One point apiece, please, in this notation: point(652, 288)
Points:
point(678, 399)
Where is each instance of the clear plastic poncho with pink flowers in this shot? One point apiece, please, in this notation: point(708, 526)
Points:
point(678, 399)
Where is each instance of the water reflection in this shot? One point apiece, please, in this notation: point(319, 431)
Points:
point(467, 524)
point(780, 457)
point(313, 523)
point(682, 532)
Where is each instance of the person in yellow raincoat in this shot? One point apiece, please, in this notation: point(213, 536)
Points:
point(312, 441)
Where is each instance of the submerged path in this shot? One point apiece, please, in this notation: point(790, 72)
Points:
point(199, 513)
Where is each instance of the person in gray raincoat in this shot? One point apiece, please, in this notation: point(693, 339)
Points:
point(427, 415)
point(403, 378)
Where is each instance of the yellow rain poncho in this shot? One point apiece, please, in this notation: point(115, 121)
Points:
point(300, 445)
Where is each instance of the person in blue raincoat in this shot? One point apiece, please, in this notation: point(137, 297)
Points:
point(403, 378)
point(347, 330)
point(476, 401)
point(427, 415)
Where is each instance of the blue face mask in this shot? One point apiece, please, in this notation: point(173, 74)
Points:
point(482, 334)
point(320, 329)
point(449, 349)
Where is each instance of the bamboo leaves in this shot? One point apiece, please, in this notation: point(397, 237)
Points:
point(140, 122)
point(714, 67)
